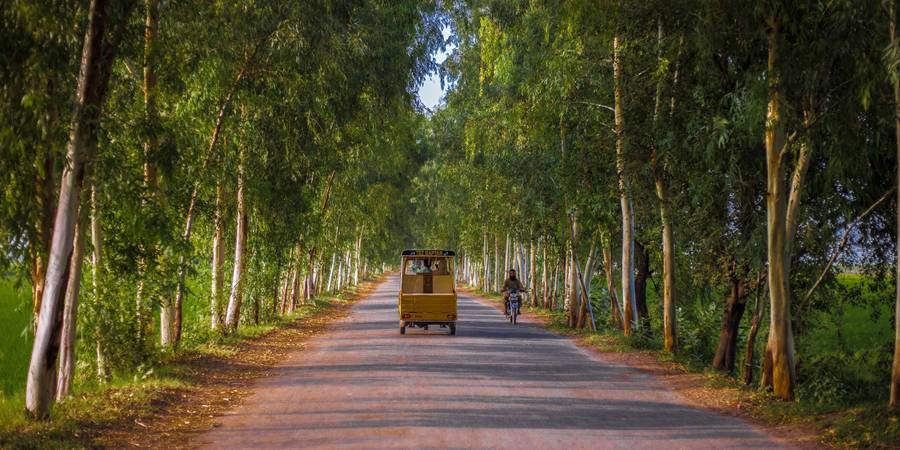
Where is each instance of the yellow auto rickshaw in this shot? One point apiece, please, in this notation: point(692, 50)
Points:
point(427, 290)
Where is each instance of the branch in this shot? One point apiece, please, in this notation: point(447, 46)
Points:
point(786, 147)
point(843, 243)
point(610, 108)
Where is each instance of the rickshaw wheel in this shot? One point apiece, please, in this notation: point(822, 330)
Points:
point(402, 328)
point(452, 329)
point(425, 327)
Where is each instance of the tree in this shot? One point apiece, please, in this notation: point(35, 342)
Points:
point(98, 54)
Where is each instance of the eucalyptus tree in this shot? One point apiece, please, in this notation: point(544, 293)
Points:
point(895, 373)
point(104, 31)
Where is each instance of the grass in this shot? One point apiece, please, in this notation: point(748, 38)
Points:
point(15, 336)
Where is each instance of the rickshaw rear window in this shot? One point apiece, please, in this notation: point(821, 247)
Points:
point(434, 266)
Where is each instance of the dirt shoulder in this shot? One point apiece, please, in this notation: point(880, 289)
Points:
point(213, 385)
point(701, 390)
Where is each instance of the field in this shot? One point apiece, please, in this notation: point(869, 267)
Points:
point(15, 336)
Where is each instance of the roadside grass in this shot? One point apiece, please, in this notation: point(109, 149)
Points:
point(842, 424)
point(15, 336)
point(94, 407)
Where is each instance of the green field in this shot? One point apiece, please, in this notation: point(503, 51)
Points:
point(15, 338)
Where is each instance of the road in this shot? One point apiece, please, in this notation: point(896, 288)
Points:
point(494, 385)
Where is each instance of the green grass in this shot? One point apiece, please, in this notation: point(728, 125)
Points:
point(15, 336)
point(861, 319)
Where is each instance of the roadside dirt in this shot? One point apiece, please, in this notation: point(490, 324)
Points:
point(217, 384)
point(697, 389)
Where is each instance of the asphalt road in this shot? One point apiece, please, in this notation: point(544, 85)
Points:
point(494, 385)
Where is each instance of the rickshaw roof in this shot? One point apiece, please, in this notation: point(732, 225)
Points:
point(416, 252)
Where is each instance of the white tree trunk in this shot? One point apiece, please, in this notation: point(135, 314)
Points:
point(545, 293)
point(70, 312)
point(217, 260)
point(232, 316)
point(895, 371)
point(340, 274)
point(89, 96)
point(484, 263)
point(498, 275)
point(331, 271)
point(356, 272)
point(96, 268)
point(532, 282)
point(628, 299)
point(506, 255)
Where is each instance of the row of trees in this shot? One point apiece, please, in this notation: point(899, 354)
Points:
point(181, 168)
point(741, 149)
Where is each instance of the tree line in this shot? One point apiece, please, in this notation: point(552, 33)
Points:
point(744, 152)
point(173, 170)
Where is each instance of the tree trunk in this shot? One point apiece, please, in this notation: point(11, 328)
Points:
point(45, 185)
point(532, 283)
point(356, 273)
point(217, 260)
point(521, 263)
point(151, 23)
point(724, 359)
point(747, 373)
point(331, 271)
point(545, 292)
point(97, 269)
point(276, 290)
point(571, 274)
point(585, 279)
point(554, 303)
point(670, 328)
point(779, 368)
point(628, 299)
point(70, 309)
point(166, 325)
point(484, 262)
point(498, 276)
point(167, 314)
point(340, 274)
point(232, 315)
point(670, 336)
point(348, 263)
point(93, 78)
point(617, 318)
point(286, 292)
point(895, 372)
point(642, 263)
point(256, 310)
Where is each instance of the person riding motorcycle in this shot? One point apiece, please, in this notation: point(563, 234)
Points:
point(511, 282)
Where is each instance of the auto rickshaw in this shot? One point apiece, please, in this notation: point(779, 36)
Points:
point(427, 290)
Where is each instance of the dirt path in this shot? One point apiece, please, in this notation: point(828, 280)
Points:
point(493, 385)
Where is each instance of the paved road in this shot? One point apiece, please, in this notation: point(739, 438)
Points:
point(494, 385)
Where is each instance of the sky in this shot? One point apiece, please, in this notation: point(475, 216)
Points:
point(430, 91)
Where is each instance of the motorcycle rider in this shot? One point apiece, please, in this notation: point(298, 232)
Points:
point(511, 282)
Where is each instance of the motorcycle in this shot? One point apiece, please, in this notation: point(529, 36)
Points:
point(512, 312)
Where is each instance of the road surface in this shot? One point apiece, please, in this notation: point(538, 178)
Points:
point(494, 385)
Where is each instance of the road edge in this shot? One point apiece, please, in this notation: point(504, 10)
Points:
point(798, 436)
point(217, 386)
